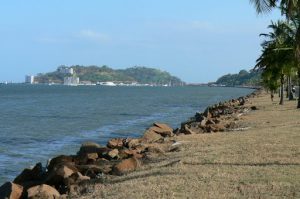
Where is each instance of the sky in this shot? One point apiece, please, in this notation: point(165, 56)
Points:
point(196, 40)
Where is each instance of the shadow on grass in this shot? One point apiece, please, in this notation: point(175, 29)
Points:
point(243, 164)
point(137, 176)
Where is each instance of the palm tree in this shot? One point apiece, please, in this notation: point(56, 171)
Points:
point(291, 10)
point(288, 7)
point(272, 68)
point(270, 73)
point(277, 56)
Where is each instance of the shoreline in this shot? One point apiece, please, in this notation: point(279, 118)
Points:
point(69, 171)
point(261, 159)
point(90, 123)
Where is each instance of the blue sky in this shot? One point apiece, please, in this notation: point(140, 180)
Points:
point(195, 40)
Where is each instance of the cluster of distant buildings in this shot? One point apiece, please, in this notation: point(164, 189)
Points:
point(29, 79)
point(129, 84)
point(73, 80)
point(70, 81)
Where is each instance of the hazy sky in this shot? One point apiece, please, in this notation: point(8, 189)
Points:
point(196, 40)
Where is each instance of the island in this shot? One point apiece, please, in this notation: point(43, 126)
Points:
point(104, 75)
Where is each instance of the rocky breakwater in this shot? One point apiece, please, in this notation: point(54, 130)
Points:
point(220, 117)
point(64, 174)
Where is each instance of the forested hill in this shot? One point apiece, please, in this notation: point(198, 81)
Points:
point(96, 74)
point(243, 78)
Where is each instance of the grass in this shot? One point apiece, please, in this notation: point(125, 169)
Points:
point(260, 162)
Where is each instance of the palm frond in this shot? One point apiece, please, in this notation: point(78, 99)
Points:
point(263, 6)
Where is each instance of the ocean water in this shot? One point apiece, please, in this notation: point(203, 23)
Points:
point(38, 122)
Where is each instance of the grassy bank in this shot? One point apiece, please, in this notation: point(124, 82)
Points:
point(262, 161)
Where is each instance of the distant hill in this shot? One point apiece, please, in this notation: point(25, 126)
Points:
point(96, 74)
point(243, 78)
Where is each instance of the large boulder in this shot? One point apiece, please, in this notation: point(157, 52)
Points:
point(10, 190)
point(30, 175)
point(162, 132)
point(86, 158)
point(188, 130)
point(128, 153)
point(126, 166)
point(196, 127)
point(93, 170)
point(89, 147)
point(58, 175)
point(116, 143)
point(42, 191)
point(133, 143)
point(76, 178)
point(151, 136)
point(162, 129)
point(113, 153)
point(92, 156)
point(60, 160)
point(90, 144)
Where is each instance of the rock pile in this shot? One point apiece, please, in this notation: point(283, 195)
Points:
point(217, 118)
point(58, 178)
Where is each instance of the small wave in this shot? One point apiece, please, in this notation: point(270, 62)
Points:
point(133, 114)
point(133, 128)
point(54, 117)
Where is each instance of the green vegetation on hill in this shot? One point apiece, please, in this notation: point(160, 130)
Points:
point(103, 74)
point(150, 75)
point(243, 78)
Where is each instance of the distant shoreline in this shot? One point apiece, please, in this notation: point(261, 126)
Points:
point(142, 85)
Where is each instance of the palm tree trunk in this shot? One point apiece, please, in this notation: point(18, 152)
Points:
point(291, 97)
point(281, 89)
point(298, 59)
point(298, 106)
point(279, 92)
point(288, 86)
point(272, 95)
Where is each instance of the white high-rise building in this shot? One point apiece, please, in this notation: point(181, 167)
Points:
point(71, 81)
point(29, 79)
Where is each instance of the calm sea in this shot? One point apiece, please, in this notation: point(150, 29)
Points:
point(38, 122)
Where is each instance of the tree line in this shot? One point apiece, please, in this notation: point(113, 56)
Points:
point(279, 61)
point(243, 78)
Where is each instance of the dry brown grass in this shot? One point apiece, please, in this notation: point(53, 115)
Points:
point(261, 162)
